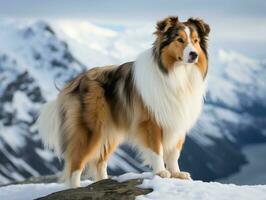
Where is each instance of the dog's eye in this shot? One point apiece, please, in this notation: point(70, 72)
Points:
point(180, 40)
point(196, 40)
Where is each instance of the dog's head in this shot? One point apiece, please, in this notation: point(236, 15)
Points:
point(181, 43)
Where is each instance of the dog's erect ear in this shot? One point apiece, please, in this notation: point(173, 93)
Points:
point(164, 25)
point(202, 27)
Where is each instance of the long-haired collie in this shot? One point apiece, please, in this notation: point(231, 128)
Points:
point(151, 102)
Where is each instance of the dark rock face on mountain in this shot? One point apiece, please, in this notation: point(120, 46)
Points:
point(34, 60)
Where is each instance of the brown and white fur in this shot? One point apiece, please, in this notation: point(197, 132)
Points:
point(151, 103)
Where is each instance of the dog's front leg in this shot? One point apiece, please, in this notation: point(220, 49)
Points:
point(151, 137)
point(171, 159)
point(157, 164)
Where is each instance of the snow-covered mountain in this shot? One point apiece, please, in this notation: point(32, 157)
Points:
point(35, 58)
point(31, 58)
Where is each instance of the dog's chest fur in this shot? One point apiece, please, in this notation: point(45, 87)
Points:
point(175, 99)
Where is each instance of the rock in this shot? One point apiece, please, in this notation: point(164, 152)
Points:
point(105, 189)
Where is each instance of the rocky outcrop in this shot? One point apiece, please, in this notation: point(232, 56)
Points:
point(105, 189)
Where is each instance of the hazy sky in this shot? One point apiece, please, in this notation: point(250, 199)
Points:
point(233, 20)
point(131, 10)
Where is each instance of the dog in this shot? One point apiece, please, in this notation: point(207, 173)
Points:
point(151, 103)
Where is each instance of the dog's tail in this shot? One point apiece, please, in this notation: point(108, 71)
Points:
point(49, 126)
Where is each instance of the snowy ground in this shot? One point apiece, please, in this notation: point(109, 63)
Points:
point(255, 169)
point(31, 191)
point(163, 189)
point(172, 189)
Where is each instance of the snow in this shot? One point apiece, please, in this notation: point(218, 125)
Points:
point(3, 179)
point(47, 155)
point(20, 100)
point(223, 91)
point(23, 40)
point(167, 188)
point(97, 45)
point(130, 165)
point(114, 162)
point(19, 163)
point(237, 74)
point(131, 175)
point(32, 191)
point(12, 137)
point(172, 189)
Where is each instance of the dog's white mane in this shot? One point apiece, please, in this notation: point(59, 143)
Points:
point(175, 98)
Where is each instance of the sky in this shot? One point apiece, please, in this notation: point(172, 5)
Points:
point(238, 22)
point(131, 10)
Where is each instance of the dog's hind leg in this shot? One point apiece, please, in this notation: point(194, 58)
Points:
point(91, 171)
point(98, 166)
point(86, 116)
point(97, 170)
point(81, 149)
point(106, 152)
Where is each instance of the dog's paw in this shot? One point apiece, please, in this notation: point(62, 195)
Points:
point(164, 174)
point(181, 175)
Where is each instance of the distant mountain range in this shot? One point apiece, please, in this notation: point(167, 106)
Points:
point(34, 59)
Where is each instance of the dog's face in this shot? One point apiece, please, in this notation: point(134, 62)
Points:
point(180, 42)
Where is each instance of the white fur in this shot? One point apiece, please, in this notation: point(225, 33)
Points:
point(175, 99)
point(187, 31)
point(49, 124)
point(91, 170)
point(153, 160)
point(157, 162)
point(189, 48)
point(171, 158)
point(102, 171)
point(75, 179)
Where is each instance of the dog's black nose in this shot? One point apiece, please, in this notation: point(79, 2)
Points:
point(193, 56)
